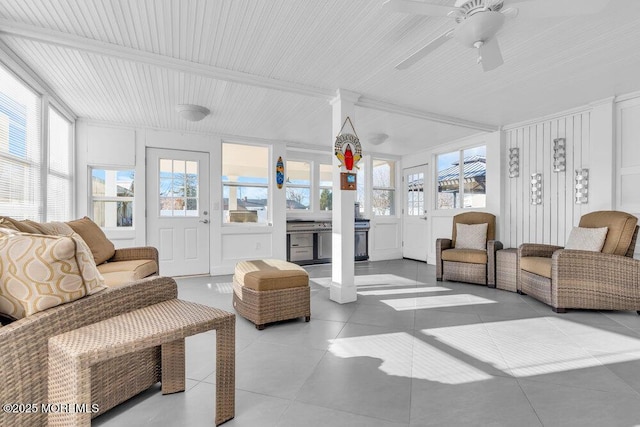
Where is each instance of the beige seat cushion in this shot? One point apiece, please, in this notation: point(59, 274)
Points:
point(537, 265)
point(118, 278)
point(101, 247)
point(471, 256)
point(121, 272)
point(270, 274)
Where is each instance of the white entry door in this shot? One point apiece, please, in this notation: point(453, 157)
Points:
point(178, 220)
point(414, 213)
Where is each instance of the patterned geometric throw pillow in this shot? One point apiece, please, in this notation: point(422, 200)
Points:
point(38, 272)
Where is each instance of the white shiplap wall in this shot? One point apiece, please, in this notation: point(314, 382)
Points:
point(550, 222)
point(628, 157)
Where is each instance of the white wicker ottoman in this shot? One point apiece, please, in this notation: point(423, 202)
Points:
point(271, 290)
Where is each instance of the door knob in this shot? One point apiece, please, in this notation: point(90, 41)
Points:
point(206, 221)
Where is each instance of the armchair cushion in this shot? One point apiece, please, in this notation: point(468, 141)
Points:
point(472, 256)
point(537, 265)
point(471, 236)
point(621, 228)
point(587, 239)
point(475, 218)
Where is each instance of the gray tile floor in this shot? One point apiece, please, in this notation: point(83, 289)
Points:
point(410, 352)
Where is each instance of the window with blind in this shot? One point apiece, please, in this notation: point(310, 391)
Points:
point(59, 177)
point(20, 149)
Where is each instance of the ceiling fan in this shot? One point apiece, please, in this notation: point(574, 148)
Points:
point(478, 22)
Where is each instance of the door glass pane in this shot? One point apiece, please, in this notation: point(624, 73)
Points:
point(415, 194)
point(178, 188)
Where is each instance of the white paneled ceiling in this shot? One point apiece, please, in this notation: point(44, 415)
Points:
point(267, 69)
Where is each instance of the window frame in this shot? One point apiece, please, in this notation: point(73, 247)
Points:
point(267, 186)
point(92, 198)
point(310, 186)
point(461, 180)
point(70, 176)
point(321, 188)
point(393, 188)
point(45, 100)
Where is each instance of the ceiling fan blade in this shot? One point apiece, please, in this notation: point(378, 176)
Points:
point(421, 53)
point(489, 55)
point(559, 8)
point(417, 8)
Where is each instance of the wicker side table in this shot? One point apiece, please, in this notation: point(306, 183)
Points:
point(166, 324)
point(506, 260)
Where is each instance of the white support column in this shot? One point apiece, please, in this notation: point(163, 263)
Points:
point(343, 288)
point(601, 160)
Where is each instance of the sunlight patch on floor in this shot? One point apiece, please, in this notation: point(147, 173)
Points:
point(224, 288)
point(540, 355)
point(442, 301)
point(400, 351)
point(403, 291)
point(364, 280)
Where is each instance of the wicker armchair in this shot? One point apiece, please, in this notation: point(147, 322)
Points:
point(468, 265)
point(606, 280)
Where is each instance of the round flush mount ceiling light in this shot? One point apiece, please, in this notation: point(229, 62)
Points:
point(192, 113)
point(377, 138)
